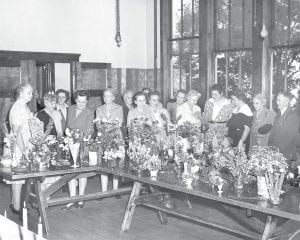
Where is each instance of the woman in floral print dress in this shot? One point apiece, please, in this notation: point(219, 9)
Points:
point(217, 112)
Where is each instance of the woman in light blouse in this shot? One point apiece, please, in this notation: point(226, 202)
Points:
point(262, 123)
point(189, 111)
point(110, 111)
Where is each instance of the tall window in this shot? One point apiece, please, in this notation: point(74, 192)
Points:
point(185, 45)
point(285, 45)
point(233, 42)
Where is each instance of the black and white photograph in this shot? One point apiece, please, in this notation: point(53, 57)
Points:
point(149, 119)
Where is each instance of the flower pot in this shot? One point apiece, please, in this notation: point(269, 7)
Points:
point(262, 189)
point(93, 159)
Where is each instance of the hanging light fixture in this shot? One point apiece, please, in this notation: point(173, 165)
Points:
point(118, 33)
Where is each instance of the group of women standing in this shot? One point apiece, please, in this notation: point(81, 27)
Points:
point(231, 118)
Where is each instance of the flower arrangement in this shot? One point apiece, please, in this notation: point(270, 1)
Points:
point(115, 157)
point(236, 162)
point(140, 129)
point(109, 135)
point(216, 179)
point(266, 158)
point(188, 129)
point(153, 163)
point(138, 154)
point(271, 166)
point(9, 145)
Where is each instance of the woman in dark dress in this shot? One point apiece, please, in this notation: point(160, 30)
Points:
point(240, 122)
point(50, 114)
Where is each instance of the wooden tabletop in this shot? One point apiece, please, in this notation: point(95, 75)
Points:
point(247, 198)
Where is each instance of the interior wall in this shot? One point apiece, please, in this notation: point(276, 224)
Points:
point(80, 26)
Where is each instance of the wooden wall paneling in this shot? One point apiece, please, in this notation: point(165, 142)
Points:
point(39, 56)
point(28, 75)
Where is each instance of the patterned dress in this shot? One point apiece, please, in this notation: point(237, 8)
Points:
point(18, 116)
point(217, 116)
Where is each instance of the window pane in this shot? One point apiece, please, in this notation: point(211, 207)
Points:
point(236, 23)
point(293, 64)
point(175, 47)
point(295, 21)
point(195, 84)
point(185, 71)
point(187, 18)
point(196, 17)
point(281, 22)
point(233, 70)
point(278, 74)
point(221, 69)
point(190, 46)
point(222, 24)
point(175, 73)
point(176, 18)
point(246, 80)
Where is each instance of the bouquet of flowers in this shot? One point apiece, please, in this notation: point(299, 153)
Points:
point(138, 154)
point(141, 130)
point(44, 145)
point(9, 146)
point(115, 157)
point(153, 163)
point(237, 164)
point(216, 179)
point(188, 130)
point(266, 158)
point(109, 135)
point(272, 165)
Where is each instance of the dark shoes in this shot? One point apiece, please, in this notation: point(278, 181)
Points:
point(14, 211)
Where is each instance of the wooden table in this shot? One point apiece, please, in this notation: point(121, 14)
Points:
point(232, 201)
point(10, 230)
point(42, 197)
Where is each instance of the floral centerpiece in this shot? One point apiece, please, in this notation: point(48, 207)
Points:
point(215, 178)
point(153, 164)
point(77, 141)
point(110, 140)
point(143, 143)
point(44, 145)
point(270, 166)
point(236, 162)
point(9, 148)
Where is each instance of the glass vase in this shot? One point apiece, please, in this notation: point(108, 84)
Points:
point(262, 189)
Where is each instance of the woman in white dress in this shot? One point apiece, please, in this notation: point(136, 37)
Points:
point(18, 118)
point(189, 111)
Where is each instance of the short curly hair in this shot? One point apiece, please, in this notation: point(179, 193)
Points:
point(67, 94)
point(218, 87)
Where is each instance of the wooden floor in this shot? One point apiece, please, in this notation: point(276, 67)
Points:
point(102, 220)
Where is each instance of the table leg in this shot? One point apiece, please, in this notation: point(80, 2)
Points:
point(27, 191)
point(135, 192)
point(269, 227)
point(161, 215)
point(42, 204)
